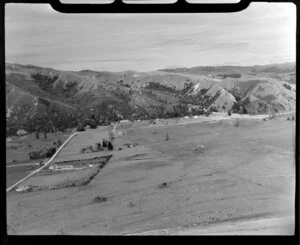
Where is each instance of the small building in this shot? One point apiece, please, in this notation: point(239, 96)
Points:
point(63, 167)
point(21, 132)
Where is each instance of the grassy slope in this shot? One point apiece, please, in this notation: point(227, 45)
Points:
point(245, 171)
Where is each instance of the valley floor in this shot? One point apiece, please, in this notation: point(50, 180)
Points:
point(164, 181)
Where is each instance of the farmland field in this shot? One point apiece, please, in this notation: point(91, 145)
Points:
point(159, 178)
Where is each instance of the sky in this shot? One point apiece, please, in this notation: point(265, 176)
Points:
point(36, 34)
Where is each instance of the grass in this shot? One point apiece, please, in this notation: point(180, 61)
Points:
point(167, 137)
point(237, 122)
point(239, 174)
point(18, 149)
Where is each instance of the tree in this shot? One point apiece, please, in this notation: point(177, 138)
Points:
point(80, 127)
point(37, 135)
point(45, 134)
point(104, 143)
point(110, 146)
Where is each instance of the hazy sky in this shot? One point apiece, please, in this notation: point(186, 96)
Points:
point(36, 34)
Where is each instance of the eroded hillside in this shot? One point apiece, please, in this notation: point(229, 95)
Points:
point(35, 95)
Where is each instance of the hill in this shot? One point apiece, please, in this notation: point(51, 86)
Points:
point(35, 95)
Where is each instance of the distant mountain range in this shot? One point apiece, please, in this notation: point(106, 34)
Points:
point(45, 96)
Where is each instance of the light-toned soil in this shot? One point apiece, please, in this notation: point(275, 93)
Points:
point(243, 172)
point(282, 225)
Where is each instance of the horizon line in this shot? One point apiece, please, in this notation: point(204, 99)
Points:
point(161, 69)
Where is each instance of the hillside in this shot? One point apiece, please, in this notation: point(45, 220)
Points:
point(35, 95)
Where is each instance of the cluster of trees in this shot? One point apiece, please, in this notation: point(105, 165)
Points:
point(46, 119)
point(122, 95)
point(187, 87)
point(43, 81)
point(98, 147)
point(238, 108)
point(287, 86)
point(62, 91)
point(122, 84)
point(55, 117)
point(42, 154)
point(232, 75)
point(160, 87)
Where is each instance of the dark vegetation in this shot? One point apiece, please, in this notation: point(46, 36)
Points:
point(97, 147)
point(157, 86)
point(238, 108)
point(51, 116)
point(42, 154)
point(99, 199)
point(80, 127)
point(61, 107)
point(187, 87)
point(287, 86)
point(232, 75)
point(163, 185)
point(44, 82)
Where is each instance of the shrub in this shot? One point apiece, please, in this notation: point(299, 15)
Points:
point(88, 149)
point(92, 123)
point(287, 86)
point(104, 143)
point(152, 121)
point(213, 109)
point(80, 127)
point(93, 126)
point(288, 118)
point(293, 118)
point(98, 147)
point(50, 152)
point(99, 199)
point(229, 113)
point(43, 153)
point(163, 185)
